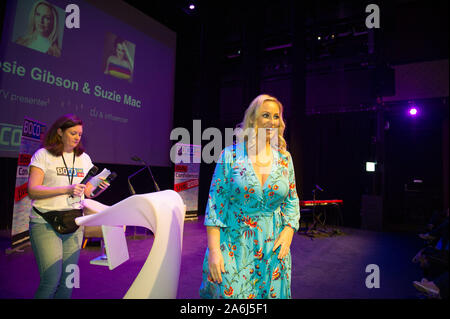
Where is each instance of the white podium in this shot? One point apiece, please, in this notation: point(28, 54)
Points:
point(163, 213)
point(115, 246)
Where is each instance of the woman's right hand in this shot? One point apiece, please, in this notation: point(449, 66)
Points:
point(216, 265)
point(76, 189)
point(37, 191)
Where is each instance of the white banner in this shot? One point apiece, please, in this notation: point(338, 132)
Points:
point(31, 140)
point(187, 172)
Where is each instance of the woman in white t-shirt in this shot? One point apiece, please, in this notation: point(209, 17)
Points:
point(55, 173)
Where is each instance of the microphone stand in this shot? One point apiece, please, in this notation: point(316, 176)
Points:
point(133, 192)
point(314, 222)
point(315, 214)
point(130, 187)
point(138, 159)
point(154, 181)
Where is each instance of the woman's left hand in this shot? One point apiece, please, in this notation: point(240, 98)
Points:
point(89, 188)
point(104, 184)
point(284, 240)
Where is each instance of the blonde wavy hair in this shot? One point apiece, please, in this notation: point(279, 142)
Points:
point(250, 117)
point(53, 36)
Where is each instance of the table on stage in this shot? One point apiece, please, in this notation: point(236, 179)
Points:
point(319, 210)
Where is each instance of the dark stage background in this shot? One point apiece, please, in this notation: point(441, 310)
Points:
point(345, 99)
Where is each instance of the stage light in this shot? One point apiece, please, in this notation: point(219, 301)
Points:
point(319, 38)
point(370, 166)
point(413, 111)
point(190, 8)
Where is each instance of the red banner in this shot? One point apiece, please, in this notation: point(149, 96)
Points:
point(20, 192)
point(186, 185)
point(181, 168)
point(24, 159)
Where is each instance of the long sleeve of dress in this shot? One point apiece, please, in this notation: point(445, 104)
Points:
point(219, 197)
point(290, 208)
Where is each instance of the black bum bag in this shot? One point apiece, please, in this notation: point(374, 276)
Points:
point(62, 222)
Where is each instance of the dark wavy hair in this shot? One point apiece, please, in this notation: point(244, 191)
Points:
point(52, 140)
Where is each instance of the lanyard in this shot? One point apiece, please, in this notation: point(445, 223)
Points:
point(67, 169)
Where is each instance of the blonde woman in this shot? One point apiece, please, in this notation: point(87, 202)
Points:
point(42, 34)
point(252, 211)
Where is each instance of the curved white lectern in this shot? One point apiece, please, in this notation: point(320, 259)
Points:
point(163, 213)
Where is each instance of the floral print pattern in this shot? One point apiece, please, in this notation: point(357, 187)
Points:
point(250, 217)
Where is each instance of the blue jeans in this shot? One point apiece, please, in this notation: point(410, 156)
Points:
point(54, 252)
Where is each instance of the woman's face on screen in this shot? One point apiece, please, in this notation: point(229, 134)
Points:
point(120, 52)
point(43, 20)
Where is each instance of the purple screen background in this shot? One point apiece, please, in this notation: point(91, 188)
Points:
point(146, 129)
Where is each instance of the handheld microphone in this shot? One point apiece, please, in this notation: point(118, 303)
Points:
point(72, 199)
point(318, 187)
point(109, 179)
point(138, 159)
point(89, 175)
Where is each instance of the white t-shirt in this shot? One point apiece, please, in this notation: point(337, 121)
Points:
point(55, 175)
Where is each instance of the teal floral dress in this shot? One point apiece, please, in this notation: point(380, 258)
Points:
point(250, 217)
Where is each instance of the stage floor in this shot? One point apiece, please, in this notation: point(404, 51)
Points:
point(323, 268)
